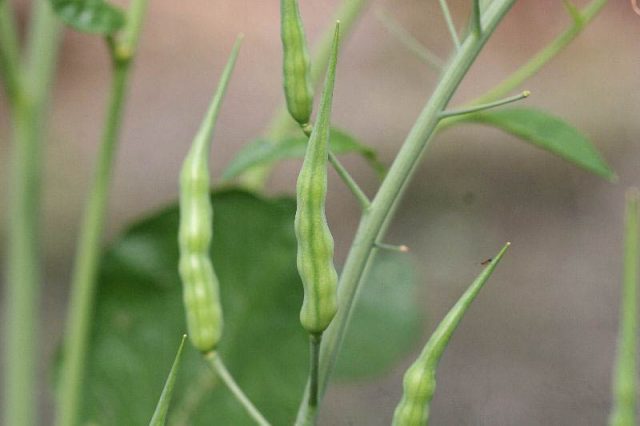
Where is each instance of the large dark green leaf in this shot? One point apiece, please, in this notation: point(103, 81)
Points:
point(261, 152)
point(91, 16)
point(139, 317)
point(549, 133)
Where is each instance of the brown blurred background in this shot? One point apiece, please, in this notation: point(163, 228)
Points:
point(537, 347)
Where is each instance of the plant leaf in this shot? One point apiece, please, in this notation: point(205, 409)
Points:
point(160, 414)
point(91, 16)
point(139, 307)
point(262, 151)
point(549, 133)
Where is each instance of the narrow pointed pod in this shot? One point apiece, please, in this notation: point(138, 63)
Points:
point(298, 88)
point(199, 280)
point(162, 408)
point(315, 243)
point(420, 379)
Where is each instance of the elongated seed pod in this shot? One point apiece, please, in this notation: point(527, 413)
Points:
point(298, 89)
point(419, 383)
point(315, 243)
point(199, 282)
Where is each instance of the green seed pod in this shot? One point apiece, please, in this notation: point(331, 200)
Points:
point(419, 383)
point(315, 243)
point(199, 282)
point(298, 89)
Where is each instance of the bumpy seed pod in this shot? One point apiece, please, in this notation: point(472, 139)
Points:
point(199, 282)
point(315, 243)
point(298, 89)
point(419, 383)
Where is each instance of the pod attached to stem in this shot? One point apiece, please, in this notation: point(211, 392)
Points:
point(298, 89)
point(199, 281)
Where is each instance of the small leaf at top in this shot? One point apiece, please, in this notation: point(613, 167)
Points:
point(91, 16)
point(262, 152)
point(549, 133)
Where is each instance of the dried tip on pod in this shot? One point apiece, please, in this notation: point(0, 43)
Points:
point(298, 88)
point(315, 243)
point(199, 282)
point(419, 382)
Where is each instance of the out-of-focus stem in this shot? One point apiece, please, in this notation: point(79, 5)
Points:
point(28, 88)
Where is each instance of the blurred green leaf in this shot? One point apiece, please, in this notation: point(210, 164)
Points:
point(139, 312)
point(549, 133)
point(388, 299)
point(261, 152)
point(91, 16)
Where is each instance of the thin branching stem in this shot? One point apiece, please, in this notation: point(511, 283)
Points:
point(218, 366)
point(490, 105)
point(450, 25)
point(409, 41)
point(348, 180)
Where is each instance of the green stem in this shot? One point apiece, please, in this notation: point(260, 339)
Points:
point(526, 71)
point(9, 53)
point(450, 25)
point(373, 222)
point(624, 389)
point(87, 256)
point(349, 181)
point(482, 107)
point(83, 282)
point(29, 99)
point(314, 362)
point(409, 41)
point(218, 366)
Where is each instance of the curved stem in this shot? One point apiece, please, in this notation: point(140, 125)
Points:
point(216, 363)
point(373, 222)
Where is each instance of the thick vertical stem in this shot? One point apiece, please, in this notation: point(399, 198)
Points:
point(28, 94)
